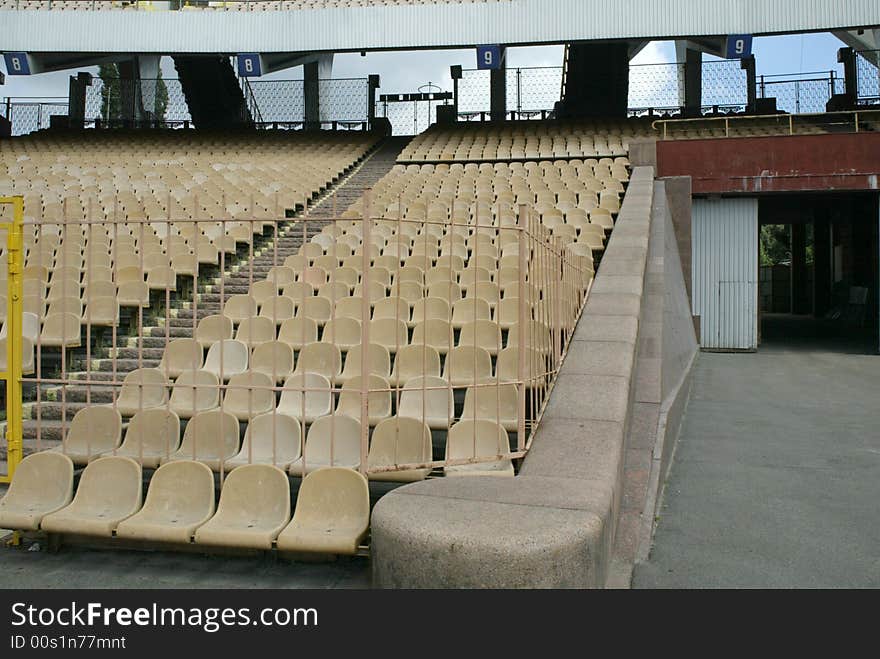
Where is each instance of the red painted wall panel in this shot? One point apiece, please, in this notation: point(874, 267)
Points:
point(774, 164)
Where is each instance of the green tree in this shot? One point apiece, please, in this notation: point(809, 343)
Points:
point(111, 102)
point(161, 98)
point(775, 244)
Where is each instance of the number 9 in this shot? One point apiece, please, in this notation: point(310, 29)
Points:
point(487, 58)
point(740, 46)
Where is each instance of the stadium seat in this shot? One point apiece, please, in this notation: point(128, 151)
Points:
point(399, 441)
point(61, 330)
point(179, 500)
point(316, 402)
point(194, 392)
point(414, 361)
point(255, 331)
point(332, 441)
point(428, 399)
point(93, 431)
point(150, 436)
point(226, 359)
point(478, 440)
point(181, 356)
point(210, 437)
point(332, 514)
point(322, 358)
point(379, 399)
point(274, 359)
point(467, 365)
point(110, 490)
point(43, 484)
point(142, 389)
point(274, 439)
point(254, 508)
point(212, 329)
point(249, 395)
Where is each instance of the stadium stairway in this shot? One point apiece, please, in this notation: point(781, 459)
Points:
point(236, 278)
point(212, 92)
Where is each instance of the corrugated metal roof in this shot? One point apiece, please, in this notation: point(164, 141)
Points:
point(420, 26)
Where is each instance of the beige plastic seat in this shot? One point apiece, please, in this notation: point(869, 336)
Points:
point(379, 359)
point(379, 399)
point(436, 334)
point(102, 312)
point(255, 331)
point(349, 307)
point(484, 334)
point(428, 399)
point(162, 278)
point(142, 389)
point(317, 401)
point(332, 441)
point(226, 359)
point(181, 356)
point(110, 490)
point(478, 440)
point(319, 309)
point(270, 439)
point(393, 308)
point(399, 441)
point(180, 500)
point(151, 435)
point(28, 363)
point(212, 329)
point(133, 294)
point(194, 392)
point(537, 337)
point(391, 333)
point(61, 330)
point(274, 359)
point(210, 437)
point(93, 431)
point(43, 484)
point(342, 332)
point(240, 307)
point(497, 402)
point(414, 361)
point(254, 508)
point(332, 514)
point(249, 395)
point(278, 309)
point(467, 365)
point(298, 332)
point(322, 358)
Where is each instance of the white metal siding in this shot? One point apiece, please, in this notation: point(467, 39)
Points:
point(725, 272)
point(420, 26)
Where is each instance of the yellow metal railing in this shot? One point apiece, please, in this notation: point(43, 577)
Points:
point(788, 122)
point(12, 376)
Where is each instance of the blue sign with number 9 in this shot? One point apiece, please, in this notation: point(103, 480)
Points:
point(739, 46)
point(488, 57)
point(17, 64)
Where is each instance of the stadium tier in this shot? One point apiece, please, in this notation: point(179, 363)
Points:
point(434, 329)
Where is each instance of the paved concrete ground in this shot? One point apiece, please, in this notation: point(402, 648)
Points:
point(776, 480)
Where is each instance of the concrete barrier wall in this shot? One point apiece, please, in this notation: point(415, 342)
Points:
point(553, 526)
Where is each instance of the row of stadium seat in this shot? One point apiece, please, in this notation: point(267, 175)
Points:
point(278, 437)
point(180, 507)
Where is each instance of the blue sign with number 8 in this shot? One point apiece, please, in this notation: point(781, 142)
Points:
point(17, 64)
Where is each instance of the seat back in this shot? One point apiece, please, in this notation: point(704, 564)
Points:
point(272, 438)
point(400, 441)
point(210, 435)
point(260, 491)
point(333, 440)
point(94, 430)
point(152, 432)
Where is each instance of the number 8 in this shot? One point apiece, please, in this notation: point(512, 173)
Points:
point(249, 66)
point(16, 64)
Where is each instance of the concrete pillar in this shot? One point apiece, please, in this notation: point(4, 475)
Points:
point(800, 297)
point(313, 73)
point(76, 108)
point(597, 82)
point(847, 57)
point(822, 275)
point(693, 83)
point(148, 73)
point(374, 83)
point(498, 90)
point(129, 91)
point(749, 66)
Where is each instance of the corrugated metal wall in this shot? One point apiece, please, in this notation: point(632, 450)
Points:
point(420, 26)
point(725, 272)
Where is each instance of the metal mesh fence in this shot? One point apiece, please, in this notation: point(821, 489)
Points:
point(804, 96)
point(344, 99)
point(725, 84)
point(868, 70)
point(409, 118)
point(30, 117)
point(280, 100)
point(113, 99)
point(655, 86)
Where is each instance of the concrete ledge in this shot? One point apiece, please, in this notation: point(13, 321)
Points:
point(554, 525)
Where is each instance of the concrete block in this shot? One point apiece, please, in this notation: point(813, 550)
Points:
point(600, 358)
point(587, 397)
point(629, 285)
point(583, 450)
point(607, 304)
point(608, 328)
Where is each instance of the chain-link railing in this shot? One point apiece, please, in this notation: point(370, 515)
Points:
point(804, 95)
point(868, 72)
point(28, 117)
